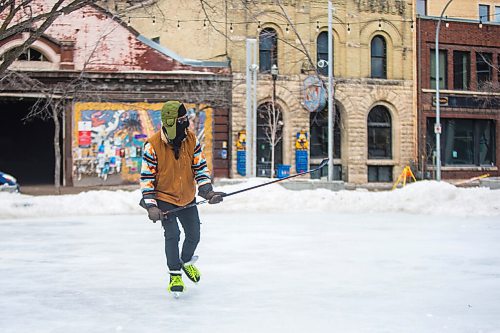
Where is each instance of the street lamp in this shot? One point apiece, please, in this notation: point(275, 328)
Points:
point(437, 125)
point(274, 75)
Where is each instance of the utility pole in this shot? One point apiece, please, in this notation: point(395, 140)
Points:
point(437, 125)
point(330, 92)
point(251, 106)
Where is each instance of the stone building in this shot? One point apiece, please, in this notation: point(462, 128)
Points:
point(112, 82)
point(375, 132)
point(469, 52)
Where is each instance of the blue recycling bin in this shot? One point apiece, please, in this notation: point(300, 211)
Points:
point(283, 170)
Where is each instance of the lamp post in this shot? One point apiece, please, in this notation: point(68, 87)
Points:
point(274, 121)
point(437, 125)
point(330, 92)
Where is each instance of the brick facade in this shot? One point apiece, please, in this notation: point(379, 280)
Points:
point(458, 36)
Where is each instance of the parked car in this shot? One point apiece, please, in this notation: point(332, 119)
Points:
point(8, 183)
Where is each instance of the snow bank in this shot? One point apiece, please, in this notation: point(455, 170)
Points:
point(425, 197)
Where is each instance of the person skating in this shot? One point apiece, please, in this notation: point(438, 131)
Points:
point(173, 164)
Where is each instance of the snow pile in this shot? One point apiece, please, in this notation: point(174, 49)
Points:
point(425, 197)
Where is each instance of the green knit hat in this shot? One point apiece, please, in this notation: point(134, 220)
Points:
point(169, 115)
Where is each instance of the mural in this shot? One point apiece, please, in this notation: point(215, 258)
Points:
point(108, 139)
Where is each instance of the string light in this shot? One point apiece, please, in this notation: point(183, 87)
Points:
point(317, 26)
point(348, 28)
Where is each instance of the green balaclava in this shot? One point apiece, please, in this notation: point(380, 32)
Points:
point(174, 130)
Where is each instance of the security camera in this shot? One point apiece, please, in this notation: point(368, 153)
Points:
point(322, 63)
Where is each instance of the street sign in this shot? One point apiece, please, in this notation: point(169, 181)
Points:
point(437, 128)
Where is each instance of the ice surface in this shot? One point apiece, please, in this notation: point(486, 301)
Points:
point(296, 271)
point(425, 258)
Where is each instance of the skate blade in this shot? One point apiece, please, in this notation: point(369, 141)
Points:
point(176, 294)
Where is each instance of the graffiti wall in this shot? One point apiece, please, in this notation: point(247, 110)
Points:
point(108, 139)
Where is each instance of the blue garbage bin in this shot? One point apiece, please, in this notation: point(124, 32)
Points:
point(283, 170)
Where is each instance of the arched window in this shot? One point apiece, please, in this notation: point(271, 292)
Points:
point(268, 131)
point(379, 58)
point(322, 52)
point(318, 127)
point(268, 50)
point(31, 54)
point(379, 133)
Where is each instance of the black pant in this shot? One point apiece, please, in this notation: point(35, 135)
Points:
point(190, 222)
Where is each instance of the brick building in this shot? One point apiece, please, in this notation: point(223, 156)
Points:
point(469, 54)
point(375, 132)
point(121, 79)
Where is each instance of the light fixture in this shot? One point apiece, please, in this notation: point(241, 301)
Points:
point(178, 24)
point(128, 20)
point(380, 24)
point(317, 26)
point(287, 30)
point(480, 23)
point(231, 27)
point(447, 24)
point(259, 27)
point(348, 28)
point(154, 19)
point(204, 23)
point(411, 26)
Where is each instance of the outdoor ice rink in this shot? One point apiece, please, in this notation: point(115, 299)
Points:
point(261, 272)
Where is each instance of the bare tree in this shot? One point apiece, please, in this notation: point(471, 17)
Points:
point(17, 16)
point(274, 125)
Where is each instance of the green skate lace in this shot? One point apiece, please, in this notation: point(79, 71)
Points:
point(176, 281)
point(191, 270)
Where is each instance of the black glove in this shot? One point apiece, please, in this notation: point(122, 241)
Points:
point(206, 192)
point(215, 197)
point(154, 213)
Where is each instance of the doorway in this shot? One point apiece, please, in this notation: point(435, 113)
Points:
point(26, 145)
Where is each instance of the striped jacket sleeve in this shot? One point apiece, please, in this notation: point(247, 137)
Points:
point(200, 168)
point(149, 169)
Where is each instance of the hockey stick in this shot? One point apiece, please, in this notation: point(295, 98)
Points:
point(322, 165)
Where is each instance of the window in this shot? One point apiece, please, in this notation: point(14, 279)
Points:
point(322, 51)
point(443, 70)
point(464, 141)
point(268, 50)
point(484, 13)
point(422, 7)
point(319, 134)
point(497, 14)
point(379, 133)
point(461, 70)
point(379, 173)
point(378, 58)
point(31, 55)
point(483, 68)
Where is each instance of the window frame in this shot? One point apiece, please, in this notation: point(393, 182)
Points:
point(460, 78)
point(374, 58)
point(271, 52)
point(479, 72)
point(377, 130)
point(324, 70)
point(484, 17)
point(442, 67)
point(321, 120)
